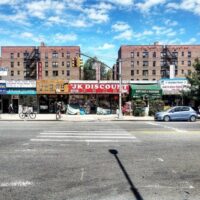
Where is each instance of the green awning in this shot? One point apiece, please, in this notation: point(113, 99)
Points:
point(149, 91)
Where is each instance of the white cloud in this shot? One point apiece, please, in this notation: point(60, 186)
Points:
point(106, 46)
point(191, 41)
point(122, 2)
point(79, 23)
point(120, 26)
point(148, 4)
point(39, 8)
point(169, 22)
point(126, 35)
point(8, 2)
point(65, 37)
point(55, 20)
point(31, 36)
point(187, 5)
point(159, 30)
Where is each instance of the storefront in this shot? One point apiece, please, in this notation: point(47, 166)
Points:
point(173, 91)
point(20, 94)
point(2, 94)
point(49, 92)
point(93, 95)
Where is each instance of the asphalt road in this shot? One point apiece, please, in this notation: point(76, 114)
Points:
point(99, 160)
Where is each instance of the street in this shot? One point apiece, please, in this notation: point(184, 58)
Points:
point(99, 160)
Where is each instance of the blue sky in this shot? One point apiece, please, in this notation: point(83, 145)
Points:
point(99, 27)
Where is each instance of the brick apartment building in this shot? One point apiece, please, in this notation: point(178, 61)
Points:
point(152, 62)
point(55, 62)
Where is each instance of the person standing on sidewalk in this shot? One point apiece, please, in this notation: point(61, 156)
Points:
point(10, 108)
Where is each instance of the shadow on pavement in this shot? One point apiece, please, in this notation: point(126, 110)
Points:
point(134, 190)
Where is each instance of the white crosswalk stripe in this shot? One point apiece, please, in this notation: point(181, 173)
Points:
point(98, 136)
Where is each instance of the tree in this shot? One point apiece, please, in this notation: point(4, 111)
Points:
point(90, 72)
point(194, 80)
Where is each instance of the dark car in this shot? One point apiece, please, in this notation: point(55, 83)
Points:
point(177, 113)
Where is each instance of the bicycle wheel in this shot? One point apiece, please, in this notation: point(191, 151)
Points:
point(22, 115)
point(58, 115)
point(32, 115)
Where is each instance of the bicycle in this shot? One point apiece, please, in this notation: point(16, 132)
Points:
point(28, 114)
point(58, 114)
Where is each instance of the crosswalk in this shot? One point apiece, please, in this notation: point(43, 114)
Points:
point(90, 136)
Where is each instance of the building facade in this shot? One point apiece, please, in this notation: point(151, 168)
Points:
point(153, 62)
point(50, 62)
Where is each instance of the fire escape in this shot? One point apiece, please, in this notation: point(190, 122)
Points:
point(168, 58)
point(30, 62)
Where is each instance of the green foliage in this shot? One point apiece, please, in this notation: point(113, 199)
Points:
point(138, 107)
point(194, 80)
point(155, 106)
point(90, 73)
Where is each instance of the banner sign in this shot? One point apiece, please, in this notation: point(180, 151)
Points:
point(21, 84)
point(174, 86)
point(39, 70)
point(3, 71)
point(52, 87)
point(21, 91)
point(98, 88)
point(2, 88)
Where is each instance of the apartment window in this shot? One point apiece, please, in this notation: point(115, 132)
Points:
point(189, 54)
point(154, 63)
point(189, 72)
point(55, 73)
point(182, 71)
point(68, 73)
point(182, 53)
point(63, 64)
point(153, 72)
point(154, 54)
point(12, 64)
point(145, 54)
point(132, 72)
point(46, 73)
point(46, 64)
point(63, 72)
point(175, 54)
point(137, 71)
point(55, 64)
point(11, 55)
point(132, 54)
point(18, 55)
point(189, 63)
point(68, 55)
point(138, 62)
point(18, 64)
point(26, 54)
point(162, 54)
point(138, 54)
point(132, 64)
point(182, 62)
point(46, 55)
point(18, 72)
point(145, 63)
point(145, 72)
point(68, 63)
point(176, 72)
point(63, 55)
point(12, 73)
point(54, 54)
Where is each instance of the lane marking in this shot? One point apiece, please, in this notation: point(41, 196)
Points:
point(16, 184)
point(97, 136)
point(82, 173)
point(160, 159)
point(88, 141)
point(86, 134)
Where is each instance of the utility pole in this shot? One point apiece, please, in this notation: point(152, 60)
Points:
point(120, 89)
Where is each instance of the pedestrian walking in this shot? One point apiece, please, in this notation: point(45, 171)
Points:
point(10, 108)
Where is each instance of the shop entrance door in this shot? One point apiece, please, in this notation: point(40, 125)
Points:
point(5, 105)
point(15, 105)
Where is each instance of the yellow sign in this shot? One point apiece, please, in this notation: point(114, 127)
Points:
point(52, 87)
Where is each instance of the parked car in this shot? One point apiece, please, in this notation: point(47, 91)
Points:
point(177, 113)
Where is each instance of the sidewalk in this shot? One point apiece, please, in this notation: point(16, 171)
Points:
point(52, 117)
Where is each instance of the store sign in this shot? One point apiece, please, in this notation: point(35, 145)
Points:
point(3, 71)
point(39, 70)
point(2, 88)
point(52, 87)
point(99, 88)
point(21, 91)
point(21, 84)
point(174, 86)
